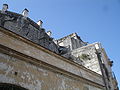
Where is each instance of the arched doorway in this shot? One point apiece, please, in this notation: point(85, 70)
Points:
point(6, 86)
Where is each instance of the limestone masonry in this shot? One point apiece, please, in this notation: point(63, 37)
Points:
point(30, 59)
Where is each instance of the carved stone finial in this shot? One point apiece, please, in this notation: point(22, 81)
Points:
point(96, 46)
point(25, 12)
point(4, 8)
point(49, 33)
point(40, 23)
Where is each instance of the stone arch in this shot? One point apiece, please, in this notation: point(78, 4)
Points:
point(7, 86)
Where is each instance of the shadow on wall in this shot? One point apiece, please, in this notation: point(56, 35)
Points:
point(6, 86)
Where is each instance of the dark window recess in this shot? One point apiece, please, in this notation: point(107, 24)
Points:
point(11, 87)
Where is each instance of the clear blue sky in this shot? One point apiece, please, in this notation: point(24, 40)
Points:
point(93, 20)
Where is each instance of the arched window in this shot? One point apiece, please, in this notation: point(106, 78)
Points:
point(5, 86)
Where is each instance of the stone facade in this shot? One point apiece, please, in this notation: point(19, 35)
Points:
point(27, 28)
point(71, 42)
point(93, 57)
point(87, 54)
point(31, 59)
point(26, 64)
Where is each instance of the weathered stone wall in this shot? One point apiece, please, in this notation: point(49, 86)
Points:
point(33, 67)
point(71, 42)
point(88, 56)
point(27, 28)
point(34, 77)
point(109, 78)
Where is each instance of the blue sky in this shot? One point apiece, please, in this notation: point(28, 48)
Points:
point(93, 20)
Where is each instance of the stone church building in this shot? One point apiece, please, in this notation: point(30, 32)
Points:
point(30, 59)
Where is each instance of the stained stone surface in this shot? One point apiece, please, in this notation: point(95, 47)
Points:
point(28, 29)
